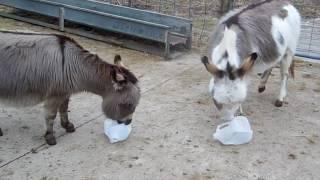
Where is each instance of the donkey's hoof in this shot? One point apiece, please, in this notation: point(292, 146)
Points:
point(50, 139)
point(261, 89)
point(278, 103)
point(70, 128)
point(1, 134)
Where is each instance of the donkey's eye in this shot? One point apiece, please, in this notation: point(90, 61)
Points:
point(122, 82)
point(127, 108)
point(126, 105)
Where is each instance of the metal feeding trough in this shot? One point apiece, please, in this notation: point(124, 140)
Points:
point(156, 27)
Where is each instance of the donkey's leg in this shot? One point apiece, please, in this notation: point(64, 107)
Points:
point(51, 108)
point(63, 110)
point(284, 69)
point(1, 134)
point(241, 110)
point(264, 79)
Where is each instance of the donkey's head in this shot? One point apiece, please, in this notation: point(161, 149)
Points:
point(120, 101)
point(229, 86)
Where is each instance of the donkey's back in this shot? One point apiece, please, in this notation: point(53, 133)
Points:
point(30, 66)
point(269, 28)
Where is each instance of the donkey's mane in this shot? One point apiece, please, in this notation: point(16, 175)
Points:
point(102, 66)
point(94, 59)
point(97, 61)
point(235, 18)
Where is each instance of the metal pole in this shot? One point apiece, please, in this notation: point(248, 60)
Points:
point(306, 55)
point(226, 5)
point(174, 7)
point(190, 3)
point(230, 5)
point(167, 46)
point(160, 4)
point(61, 19)
point(189, 40)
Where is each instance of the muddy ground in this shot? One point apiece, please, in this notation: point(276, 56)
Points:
point(172, 128)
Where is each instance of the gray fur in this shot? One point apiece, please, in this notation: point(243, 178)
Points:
point(50, 68)
point(283, 13)
point(280, 38)
point(253, 26)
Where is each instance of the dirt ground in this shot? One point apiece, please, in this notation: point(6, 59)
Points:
point(172, 128)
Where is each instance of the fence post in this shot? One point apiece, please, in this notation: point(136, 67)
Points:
point(225, 6)
point(160, 4)
point(174, 7)
point(190, 4)
point(61, 18)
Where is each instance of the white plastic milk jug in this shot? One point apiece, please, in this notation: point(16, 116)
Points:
point(235, 132)
point(116, 132)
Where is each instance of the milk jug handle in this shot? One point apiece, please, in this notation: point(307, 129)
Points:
point(221, 126)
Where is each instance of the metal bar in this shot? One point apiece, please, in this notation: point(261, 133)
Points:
point(300, 54)
point(189, 40)
point(230, 5)
point(180, 35)
point(160, 4)
point(311, 37)
point(139, 23)
point(106, 21)
point(104, 14)
point(167, 46)
point(174, 7)
point(99, 4)
point(190, 3)
point(129, 44)
point(307, 51)
point(180, 25)
point(310, 25)
point(61, 19)
point(146, 4)
point(28, 20)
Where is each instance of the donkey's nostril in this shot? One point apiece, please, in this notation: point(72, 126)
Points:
point(126, 122)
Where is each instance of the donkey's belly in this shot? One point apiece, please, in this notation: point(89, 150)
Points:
point(21, 101)
point(260, 66)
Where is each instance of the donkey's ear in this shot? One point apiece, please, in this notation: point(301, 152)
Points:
point(211, 68)
point(118, 78)
point(117, 60)
point(247, 64)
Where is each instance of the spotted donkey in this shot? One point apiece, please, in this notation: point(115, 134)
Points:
point(251, 39)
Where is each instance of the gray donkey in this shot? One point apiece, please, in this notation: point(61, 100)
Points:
point(49, 68)
point(251, 39)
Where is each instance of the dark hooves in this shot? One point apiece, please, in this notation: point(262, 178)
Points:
point(1, 134)
point(69, 127)
point(261, 89)
point(50, 139)
point(278, 103)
